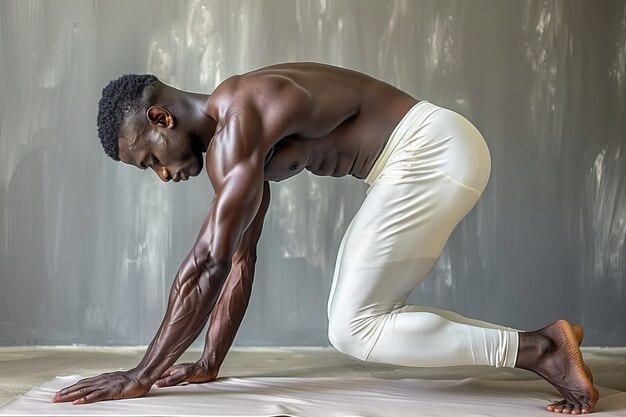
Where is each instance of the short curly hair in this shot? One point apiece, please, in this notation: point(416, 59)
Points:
point(120, 98)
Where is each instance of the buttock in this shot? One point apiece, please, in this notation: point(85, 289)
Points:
point(432, 140)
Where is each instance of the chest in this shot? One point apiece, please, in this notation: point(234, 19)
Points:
point(286, 158)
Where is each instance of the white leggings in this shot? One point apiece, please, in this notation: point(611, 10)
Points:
point(430, 174)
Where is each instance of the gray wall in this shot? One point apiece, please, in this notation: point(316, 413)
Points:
point(89, 247)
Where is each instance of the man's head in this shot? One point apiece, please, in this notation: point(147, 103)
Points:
point(145, 123)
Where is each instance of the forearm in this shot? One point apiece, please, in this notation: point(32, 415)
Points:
point(193, 295)
point(233, 302)
point(228, 314)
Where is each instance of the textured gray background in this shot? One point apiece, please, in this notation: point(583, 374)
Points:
point(89, 247)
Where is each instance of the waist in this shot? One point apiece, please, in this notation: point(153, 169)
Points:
point(411, 120)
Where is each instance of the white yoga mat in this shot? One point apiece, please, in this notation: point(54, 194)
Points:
point(323, 397)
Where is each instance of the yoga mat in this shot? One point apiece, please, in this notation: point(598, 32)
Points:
point(323, 397)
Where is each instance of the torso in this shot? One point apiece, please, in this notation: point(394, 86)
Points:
point(351, 118)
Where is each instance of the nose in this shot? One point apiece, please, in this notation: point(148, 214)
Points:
point(163, 173)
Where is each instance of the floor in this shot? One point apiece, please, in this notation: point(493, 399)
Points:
point(23, 368)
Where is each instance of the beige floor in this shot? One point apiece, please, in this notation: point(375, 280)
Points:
point(23, 368)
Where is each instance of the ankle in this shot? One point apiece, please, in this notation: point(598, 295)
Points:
point(533, 348)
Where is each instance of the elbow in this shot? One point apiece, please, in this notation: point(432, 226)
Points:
point(213, 277)
point(215, 268)
point(207, 265)
point(221, 268)
point(206, 259)
point(206, 279)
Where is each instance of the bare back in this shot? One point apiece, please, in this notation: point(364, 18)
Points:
point(343, 121)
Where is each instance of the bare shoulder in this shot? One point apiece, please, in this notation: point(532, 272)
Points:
point(265, 100)
point(257, 88)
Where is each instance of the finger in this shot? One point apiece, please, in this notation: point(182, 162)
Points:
point(95, 396)
point(170, 380)
point(162, 381)
point(73, 395)
point(78, 385)
point(168, 372)
point(69, 389)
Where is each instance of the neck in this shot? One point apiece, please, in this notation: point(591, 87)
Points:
point(200, 124)
point(190, 110)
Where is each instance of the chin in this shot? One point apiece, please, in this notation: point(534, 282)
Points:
point(196, 170)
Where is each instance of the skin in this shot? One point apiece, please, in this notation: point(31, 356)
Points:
point(269, 125)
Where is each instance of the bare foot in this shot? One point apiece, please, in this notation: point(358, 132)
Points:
point(553, 354)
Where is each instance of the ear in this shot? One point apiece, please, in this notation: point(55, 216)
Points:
point(160, 117)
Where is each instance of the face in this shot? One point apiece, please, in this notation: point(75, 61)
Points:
point(171, 153)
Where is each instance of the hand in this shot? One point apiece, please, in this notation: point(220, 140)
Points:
point(195, 373)
point(109, 386)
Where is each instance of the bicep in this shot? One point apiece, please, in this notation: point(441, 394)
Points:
point(236, 204)
point(247, 248)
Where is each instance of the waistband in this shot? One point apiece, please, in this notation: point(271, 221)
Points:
point(416, 116)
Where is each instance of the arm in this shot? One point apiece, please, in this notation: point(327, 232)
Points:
point(237, 175)
point(229, 311)
point(202, 275)
point(227, 317)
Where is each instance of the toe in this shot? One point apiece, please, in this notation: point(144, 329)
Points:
point(570, 408)
point(557, 406)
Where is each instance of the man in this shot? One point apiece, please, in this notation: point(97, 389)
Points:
point(426, 167)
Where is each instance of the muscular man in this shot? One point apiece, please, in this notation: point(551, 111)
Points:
point(426, 166)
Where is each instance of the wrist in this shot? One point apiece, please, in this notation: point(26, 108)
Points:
point(144, 375)
point(208, 360)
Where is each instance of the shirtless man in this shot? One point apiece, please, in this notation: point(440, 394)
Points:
point(426, 167)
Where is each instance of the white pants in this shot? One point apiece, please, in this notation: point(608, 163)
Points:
point(430, 174)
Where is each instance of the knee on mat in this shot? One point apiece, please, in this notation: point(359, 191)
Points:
point(345, 341)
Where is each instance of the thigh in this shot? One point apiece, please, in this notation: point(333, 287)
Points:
point(394, 241)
